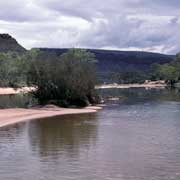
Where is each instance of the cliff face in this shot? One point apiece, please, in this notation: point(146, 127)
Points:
point(8, 43)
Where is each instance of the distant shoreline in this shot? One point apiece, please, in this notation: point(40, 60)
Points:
point(17, 115)
point(149, 85)
point(11, 91)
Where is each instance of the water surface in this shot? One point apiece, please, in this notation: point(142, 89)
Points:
point(137, 138)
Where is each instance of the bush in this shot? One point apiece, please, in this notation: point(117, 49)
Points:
point(66, 80)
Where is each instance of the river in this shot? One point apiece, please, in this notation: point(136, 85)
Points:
point(134, 138)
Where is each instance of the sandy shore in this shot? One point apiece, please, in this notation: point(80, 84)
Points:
point(6, 91)
point(152, 84)
point(17, 115)
point(125, 86)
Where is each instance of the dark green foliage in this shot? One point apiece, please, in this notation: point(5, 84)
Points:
point(63, 80)
point(66, 80)
point(131, 75)
point(12, 69)
point(168, 72)
point(110, 61)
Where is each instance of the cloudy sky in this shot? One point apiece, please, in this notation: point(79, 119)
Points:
point(149, 25)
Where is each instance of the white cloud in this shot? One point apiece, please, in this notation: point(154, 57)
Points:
point(115, 24)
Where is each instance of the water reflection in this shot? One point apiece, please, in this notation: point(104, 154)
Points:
point(136, 139)
point(65, 134)
point(11, 132)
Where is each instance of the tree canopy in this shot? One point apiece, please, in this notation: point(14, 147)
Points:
point(168, 72)
point(66, 80)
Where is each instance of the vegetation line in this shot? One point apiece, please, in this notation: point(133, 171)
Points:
point(66, 80)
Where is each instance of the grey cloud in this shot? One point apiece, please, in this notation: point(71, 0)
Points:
point(121, 24)
point(23, 11)
point(94, 8)
point(124, 34)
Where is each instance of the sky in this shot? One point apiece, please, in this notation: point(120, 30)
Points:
point(145, 25)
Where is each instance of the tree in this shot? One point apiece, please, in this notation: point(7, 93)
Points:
point(178, 57)
point(169, 74)
point(66, 80)
point(11, 70)
point(130, 75)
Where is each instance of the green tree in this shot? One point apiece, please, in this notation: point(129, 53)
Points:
point(130, 75)
point(169, 74)
point(11, 70)
point(66, 80)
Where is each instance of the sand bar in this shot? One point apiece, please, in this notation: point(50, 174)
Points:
point(8, 90)
point(151, 84)
point(17, 115)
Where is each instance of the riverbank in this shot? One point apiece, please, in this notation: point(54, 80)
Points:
point(17, 115)
point(9, 91)
point(148, 85)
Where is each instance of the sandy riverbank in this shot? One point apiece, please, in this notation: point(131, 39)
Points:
point(149, 85)
point(6, 91)
point(17, 115)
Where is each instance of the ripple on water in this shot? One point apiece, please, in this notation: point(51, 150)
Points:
point(134, 140)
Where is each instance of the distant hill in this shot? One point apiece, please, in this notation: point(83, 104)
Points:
point(108, 60)
point(8, 43)
point(113, 61)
